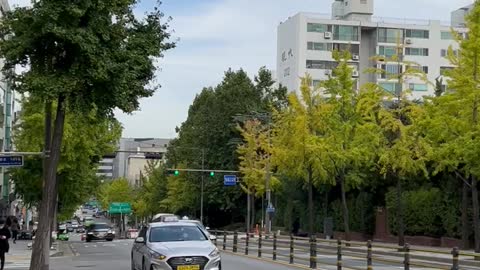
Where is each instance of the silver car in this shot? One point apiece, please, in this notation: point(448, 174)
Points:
point(174, 245)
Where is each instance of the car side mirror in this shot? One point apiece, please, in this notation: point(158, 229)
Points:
point(213, 237)
point(139, 240)
point(207, 228)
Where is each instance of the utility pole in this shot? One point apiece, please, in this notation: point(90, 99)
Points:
point(268, 220)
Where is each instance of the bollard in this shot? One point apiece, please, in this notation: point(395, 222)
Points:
point(313, 252)
point(224, 240)
point(215, 240)
point(247, 241)
point(369, 255)
point(339, 254)
point(455, 254)
point(406, 260)
point(235, 241)
point(291, 248)
point(274, 246)
point(260, 244)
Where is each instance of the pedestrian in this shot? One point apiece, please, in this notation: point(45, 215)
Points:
point(4, 246)
point(15, 228)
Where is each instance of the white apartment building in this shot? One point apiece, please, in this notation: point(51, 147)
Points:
point(306, 40)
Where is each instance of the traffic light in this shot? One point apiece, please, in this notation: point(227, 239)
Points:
point(173, 172)
point(212, 174)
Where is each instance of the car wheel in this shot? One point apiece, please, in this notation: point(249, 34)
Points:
point(109, 240)
point(88, 240)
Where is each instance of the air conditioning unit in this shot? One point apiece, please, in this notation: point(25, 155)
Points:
point(355, 74)
point(408, 41)
point(355, 57)
point(328, 72)
point(328, 35)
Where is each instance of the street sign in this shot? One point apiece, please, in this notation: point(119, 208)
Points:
point(11, 161)
point(229, 180)
point(120, 208)
point(271, 210)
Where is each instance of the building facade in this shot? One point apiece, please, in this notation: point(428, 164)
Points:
point(305, 43)
point(131, 157)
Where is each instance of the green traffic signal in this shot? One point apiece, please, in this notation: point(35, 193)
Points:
point(212, 174)
point(177, 173)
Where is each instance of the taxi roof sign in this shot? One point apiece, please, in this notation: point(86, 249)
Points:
point(170, 219)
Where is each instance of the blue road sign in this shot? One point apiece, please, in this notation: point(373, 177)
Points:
point(230, 180)
point(271, 210)
point(11, 161)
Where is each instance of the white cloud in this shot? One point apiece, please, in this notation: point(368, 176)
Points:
point(216, 35)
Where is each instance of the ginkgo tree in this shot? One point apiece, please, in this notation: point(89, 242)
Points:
point(452, 121)
point(348, 130)
point(403, 152)
point(296, 150)
point(254, 155)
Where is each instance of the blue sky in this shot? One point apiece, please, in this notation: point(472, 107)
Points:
point(217, 34)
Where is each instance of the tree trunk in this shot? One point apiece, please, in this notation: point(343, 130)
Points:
point(476, 220)
point(400, 222)
point(310, 203)
point(249, 209)
point(346, 215)
point(253, 218)
point(465, 223)
point(41, 250)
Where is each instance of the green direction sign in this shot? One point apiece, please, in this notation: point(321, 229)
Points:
point(120, 208)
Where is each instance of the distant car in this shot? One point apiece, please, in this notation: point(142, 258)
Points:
point(75, 224)
point(87, 220)
point(201, 226)
point(80, 229)
point(99, 231)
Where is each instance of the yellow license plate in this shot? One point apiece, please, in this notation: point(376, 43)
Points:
point(188, 267)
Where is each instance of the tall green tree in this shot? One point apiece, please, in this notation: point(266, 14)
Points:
point(453, 119)
point(87, 139)
point(348, 131)
point(81, 55)
point(297, 152)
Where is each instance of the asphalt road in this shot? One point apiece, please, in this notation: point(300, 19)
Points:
point(116, 256)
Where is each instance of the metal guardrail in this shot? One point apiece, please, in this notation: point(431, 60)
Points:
point(311, 252)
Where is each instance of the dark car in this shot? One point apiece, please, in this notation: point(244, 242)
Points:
point(80, 229)
point(99, 231)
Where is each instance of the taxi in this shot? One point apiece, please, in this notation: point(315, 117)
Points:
point(174, 245)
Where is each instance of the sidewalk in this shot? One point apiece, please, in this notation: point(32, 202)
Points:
point(19, 255)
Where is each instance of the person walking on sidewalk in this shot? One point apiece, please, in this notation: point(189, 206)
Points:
point(4, 246)
point(15, 228)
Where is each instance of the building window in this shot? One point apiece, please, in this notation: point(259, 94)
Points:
point(352, 48)
point(424, 69)
point(317, 46)
point(391, 87)
point(316, 83)
point(319, 64)
point(390, 35)
point(446, 35)
point(416, 51)
point(345, 33)
point(387, 51)
point(444, 70)
point(444, 53)
point(286, 72)
point(420, 87)
point(318, 28)
point(413, 33)
point(390, 70)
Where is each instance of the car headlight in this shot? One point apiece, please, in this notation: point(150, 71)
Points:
point(111, 231)
point(214, 253)
point(157, 256)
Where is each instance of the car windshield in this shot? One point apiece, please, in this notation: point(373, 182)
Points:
point(100, 226)
point(176, 234)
